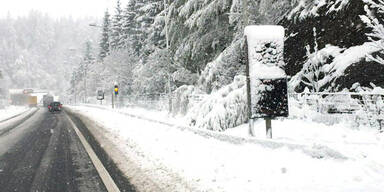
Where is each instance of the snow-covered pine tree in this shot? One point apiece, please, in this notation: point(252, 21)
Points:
point(138, 38)
point(116, 28)
point(105, 41)
point(146, 11)
point(199, 31)
point(129, 25)
point(154, 26)
point(375, 22)
point(312, 69)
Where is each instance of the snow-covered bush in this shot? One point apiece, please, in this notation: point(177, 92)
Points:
point(371, 102)
point(180, 101)
point(329, 108)
point(226, 108)
point(152, 76)
point(312, 71)
point(185, 77)
point(223, 69)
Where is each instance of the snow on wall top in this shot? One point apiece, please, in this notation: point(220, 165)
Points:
point(265, 51)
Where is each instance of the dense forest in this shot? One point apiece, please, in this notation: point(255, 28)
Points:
point(204, 38)
point(38, 51)
point(205, 43)
point(195, 46)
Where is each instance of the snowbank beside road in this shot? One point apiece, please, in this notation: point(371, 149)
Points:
point(209, 164)
point(11, 111)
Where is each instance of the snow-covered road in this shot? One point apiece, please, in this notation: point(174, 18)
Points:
point(303, 156)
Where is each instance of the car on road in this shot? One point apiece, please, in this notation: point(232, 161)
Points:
point(55, 106)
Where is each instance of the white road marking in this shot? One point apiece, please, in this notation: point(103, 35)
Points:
point(104, 175)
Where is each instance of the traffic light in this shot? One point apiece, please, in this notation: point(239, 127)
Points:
point(116, 90)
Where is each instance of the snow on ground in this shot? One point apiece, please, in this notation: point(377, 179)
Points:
point(11, 111)
point(212, 164)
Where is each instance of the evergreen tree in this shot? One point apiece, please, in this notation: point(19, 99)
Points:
point(374, 20)
point(139, 30)
point(154, 38)
point(116, 28)
point(88, 58)
point(104, 42)
point(129, 25)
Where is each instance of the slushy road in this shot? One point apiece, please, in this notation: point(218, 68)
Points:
point(43, 153)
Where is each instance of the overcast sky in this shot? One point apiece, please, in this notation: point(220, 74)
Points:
point(57, 8)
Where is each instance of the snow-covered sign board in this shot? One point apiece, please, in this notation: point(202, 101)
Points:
point(100, 94)
point(268, 84)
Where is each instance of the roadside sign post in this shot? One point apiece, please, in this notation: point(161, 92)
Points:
point(268, 127)
point(113, 105)
point(266, 78)
point(100, 96)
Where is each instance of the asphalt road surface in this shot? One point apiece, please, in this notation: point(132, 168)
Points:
point(43, 153)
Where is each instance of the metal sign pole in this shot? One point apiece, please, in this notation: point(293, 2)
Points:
point(268, 126)
point(251, 121)
point(113, 104)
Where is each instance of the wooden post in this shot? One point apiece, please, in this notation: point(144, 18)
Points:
point(268, 126)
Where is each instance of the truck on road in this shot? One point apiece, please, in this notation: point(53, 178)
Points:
point(47, 99)
point(32, 101)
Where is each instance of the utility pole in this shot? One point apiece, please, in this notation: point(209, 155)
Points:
point(168, 59)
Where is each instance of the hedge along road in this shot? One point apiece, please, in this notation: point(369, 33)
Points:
point(44, 153)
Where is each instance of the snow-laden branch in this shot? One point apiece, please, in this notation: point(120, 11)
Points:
point(372, 22)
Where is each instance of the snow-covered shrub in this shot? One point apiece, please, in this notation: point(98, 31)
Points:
point(180, 100)
point(223, 69)
point(312, 71)
point(333, 62)
point(152, 76)
point(226, 108)
point(184, 77)
point(371, 105)
point(326, 108)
